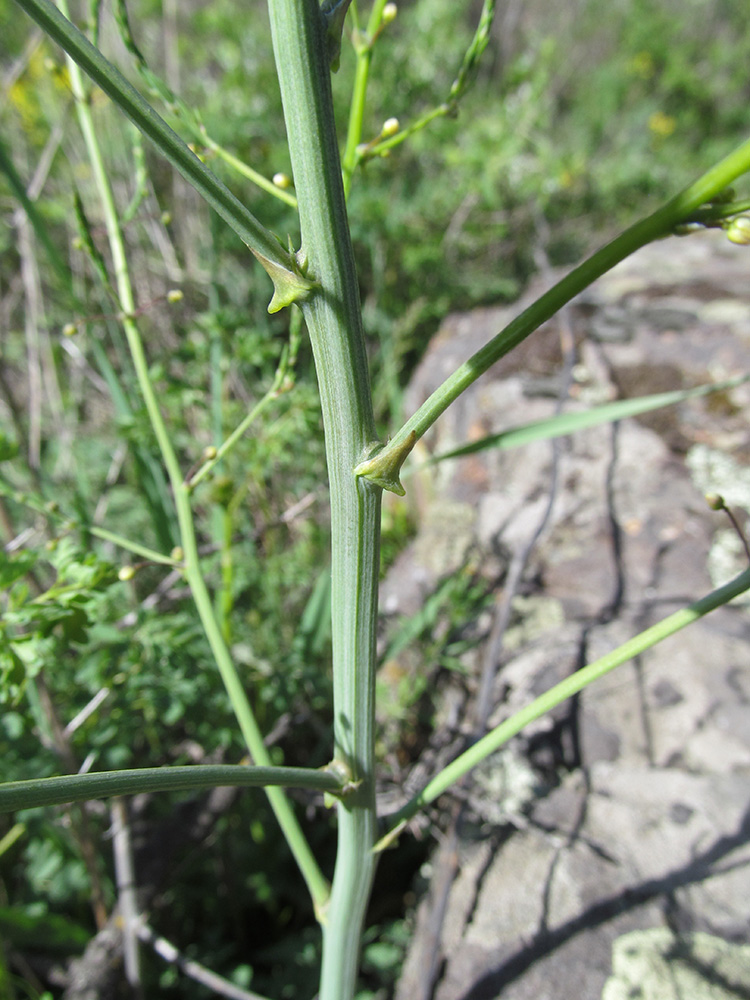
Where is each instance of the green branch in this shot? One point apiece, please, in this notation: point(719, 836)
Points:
point(281, 265)
point(384, 467)
point(559, 693)
point(35, 792)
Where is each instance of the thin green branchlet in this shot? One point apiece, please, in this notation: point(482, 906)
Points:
point(16, 795)
point(696, 204)
point(290, 277)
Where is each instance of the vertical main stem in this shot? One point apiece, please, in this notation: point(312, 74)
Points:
point(333, 317)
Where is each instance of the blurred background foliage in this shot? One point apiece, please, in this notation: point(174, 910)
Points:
point(581, 118)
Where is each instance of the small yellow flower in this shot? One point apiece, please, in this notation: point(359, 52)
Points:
point(642, 65)
point(174, 295)
point(662, 124)
point(390, 127)
point(69, 330)
point(126, 573)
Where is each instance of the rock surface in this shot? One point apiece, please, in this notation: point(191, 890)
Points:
point(632, 809)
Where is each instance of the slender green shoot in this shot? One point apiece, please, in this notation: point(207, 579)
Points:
point(15, 795)
point(363, 47)
point(187, 116)
point(381, 145)
point(290, 282)
point(384, 467)
point(560, 692)
point(282, 382)
point(125, 543)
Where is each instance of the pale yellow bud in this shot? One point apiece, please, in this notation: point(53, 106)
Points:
point(389, 12)
point(209, 453)
point(174, 295)
point(738, 230)
point(390, 127)
point(282, 181)
point(126, 573)
point(177, 553)
point(69, 330)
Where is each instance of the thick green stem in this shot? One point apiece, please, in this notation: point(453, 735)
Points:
point(333, 318)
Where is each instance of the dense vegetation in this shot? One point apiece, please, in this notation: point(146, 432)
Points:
point(578, 119)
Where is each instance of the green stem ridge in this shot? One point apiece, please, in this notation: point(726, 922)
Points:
point(561, 692)
point(662, 222)
point(259, 239)
point(35, 792)
point(333, 317)
point(283, 811)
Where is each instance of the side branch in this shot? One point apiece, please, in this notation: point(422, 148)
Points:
point(104, 784)
point(557, 694)
point(683, 208)
point(259, 239)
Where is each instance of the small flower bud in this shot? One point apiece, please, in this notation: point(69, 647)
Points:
point(77, 243)
point(174, 295)
point(51, 545)
point(69, 330)
point(166, 218)
point(282, 181)
point(714, 501)
point(662, 125)
point(177, 553)
point(390, 127)
point(209, 453)
point(738, 230)
point(126, 573)
point(389, 12)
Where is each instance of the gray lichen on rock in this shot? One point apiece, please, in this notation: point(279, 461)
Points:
point(656, 965)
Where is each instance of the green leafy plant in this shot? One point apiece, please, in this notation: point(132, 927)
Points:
point(69, 599)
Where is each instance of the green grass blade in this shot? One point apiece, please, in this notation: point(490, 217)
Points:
point(32, 213)
point(568, 423)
